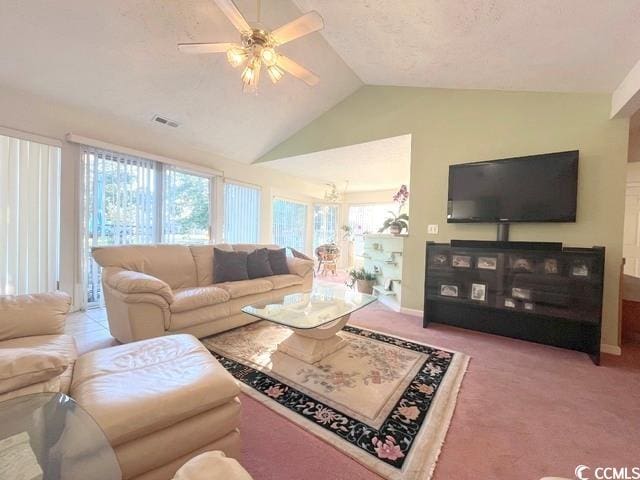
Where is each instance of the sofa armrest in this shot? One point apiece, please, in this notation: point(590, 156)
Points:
point(23, 367)
point(30, 315)
point(129, 282)
point(299, 266)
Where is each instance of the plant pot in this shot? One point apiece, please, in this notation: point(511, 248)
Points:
point(365, 286)
point(395, 229)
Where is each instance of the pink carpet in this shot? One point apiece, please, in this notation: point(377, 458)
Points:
point(524, 411)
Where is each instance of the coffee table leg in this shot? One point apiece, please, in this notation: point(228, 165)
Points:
point(312, 345)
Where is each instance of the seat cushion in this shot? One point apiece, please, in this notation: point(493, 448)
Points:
point(59, 345)
point(284, 281)
point(246, 287)
point(198, 297)
point(200, 468)
point(142, 387)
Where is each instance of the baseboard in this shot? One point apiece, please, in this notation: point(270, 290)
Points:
point(411, 311)
point(610, 349)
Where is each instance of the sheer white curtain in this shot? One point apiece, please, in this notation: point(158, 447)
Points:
point(121, 206)
point(29, 216)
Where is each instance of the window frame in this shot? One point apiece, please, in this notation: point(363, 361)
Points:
point(338, 208)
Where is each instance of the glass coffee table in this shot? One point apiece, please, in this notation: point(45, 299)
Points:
point(315, 318)
point(48, 436)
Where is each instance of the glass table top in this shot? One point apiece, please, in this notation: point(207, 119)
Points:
point(325, 303)
point(50, 437)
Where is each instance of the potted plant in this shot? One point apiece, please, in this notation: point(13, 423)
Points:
point(400, 221)
point(363, 280)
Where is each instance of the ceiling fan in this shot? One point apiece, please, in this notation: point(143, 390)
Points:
point(257, 46)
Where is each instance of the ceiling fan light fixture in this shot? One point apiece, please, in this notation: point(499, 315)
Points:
point(236, 56)
point(251, 75)
point(275, 73)
point(269, 56)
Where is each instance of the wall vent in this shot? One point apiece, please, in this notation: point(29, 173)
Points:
point(165, 121)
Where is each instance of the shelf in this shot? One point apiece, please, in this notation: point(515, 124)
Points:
point(382, 291)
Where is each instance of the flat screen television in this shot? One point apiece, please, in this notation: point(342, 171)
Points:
point(536, 188)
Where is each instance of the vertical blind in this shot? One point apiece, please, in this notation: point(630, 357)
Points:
point(325, 224)
point(241, 213)
point(289, 224)
point(119, 206)
point(29, 216)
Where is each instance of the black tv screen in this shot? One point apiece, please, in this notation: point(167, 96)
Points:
point(536, 188)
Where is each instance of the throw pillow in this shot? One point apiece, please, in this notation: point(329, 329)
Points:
point(229, 266)
point(278, 261)
point(258, 265)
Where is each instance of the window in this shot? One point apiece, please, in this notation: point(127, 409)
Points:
point(325, 224)
point(365, 219)
point(241, 213)
point(129, 199)
point(29, 216)
point(289, 224)
point(187, 207)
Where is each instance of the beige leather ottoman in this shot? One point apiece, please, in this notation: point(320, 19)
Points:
point(160, 402)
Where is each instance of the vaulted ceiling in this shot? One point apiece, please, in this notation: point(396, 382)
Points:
point(539, 45)
point(120, 57)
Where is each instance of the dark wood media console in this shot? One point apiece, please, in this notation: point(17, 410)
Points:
point(539, 292)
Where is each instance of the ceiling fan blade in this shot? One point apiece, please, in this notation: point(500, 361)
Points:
point(198, 48)
point(233, 14)
point(301, 26)
point(297, 70)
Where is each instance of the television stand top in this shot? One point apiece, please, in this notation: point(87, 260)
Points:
point(507, 245)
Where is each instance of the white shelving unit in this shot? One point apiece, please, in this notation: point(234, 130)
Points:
point(383, 255)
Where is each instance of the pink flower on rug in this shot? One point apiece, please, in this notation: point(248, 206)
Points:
point(325, 415)
point(387, 449)
point(424, 388)
point(275, 391)
point(409, 413)
point(441, 354)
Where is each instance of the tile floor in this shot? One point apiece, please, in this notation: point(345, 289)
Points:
point(90, 330)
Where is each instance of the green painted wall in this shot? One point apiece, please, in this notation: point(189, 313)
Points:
point(457, 126)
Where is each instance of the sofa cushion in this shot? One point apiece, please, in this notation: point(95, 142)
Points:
point(59, 345)
point(278, 261)
point(198, 297)
point(258, 265)
point(229, 266)
point(246, 287)
point(21, 367)
point(283, 281)
point(135, 389)
point(29, 315)
point(184, 320)
point(173, 264)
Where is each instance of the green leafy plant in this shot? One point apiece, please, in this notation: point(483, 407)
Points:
point(360, 274)
point(400, 221)
point(347, 232)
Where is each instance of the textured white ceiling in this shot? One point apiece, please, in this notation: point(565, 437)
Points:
point(120, 57)
point(378, 165)
point(540, 45)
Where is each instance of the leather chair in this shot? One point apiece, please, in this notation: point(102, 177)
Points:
point(160, 401)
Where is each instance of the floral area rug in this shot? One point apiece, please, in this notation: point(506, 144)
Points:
point(383, 400)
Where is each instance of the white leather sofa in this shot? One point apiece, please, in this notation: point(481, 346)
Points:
point(153, 290)
point(160, 402)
